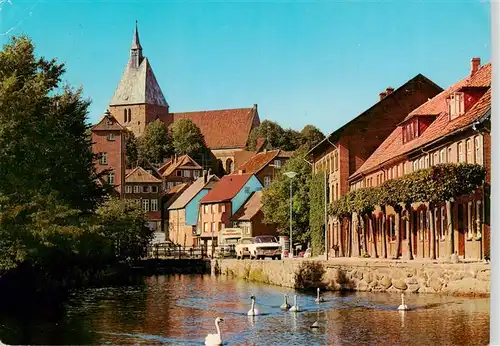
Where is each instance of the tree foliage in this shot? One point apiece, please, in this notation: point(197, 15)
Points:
point(436, 184)
point(51, 208)
point(155, 145)
point(131, 150)
point(286, 139)
point(276, 198)
point(187, 138)
point(317, 213)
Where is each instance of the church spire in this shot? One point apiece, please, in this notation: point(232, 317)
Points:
point(136, 49)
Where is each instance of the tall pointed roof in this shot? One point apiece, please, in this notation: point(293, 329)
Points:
point(138, 84)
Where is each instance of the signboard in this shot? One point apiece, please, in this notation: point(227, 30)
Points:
point(231, 232)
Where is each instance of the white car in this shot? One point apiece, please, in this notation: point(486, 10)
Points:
point(258, 248)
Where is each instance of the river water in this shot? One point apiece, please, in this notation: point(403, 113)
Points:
point(181, 309)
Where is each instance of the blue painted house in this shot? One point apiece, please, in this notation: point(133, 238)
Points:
point(183, 212)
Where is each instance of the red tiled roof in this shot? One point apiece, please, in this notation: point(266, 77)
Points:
point(393, 146)
point(250, 208)
point(480, 79)
point(108, 123)
point(192, 191)
point(140, 175)
point(227, 128)
point(226, 188)
point(258, 161)
point(184, 162)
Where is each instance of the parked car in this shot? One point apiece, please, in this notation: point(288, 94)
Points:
point(258, 247)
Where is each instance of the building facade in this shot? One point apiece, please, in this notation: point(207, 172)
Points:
point(266, 165)
point(452, 127)
point(108, 143)
point(250, 218)
point(219, 205)
point(179, 170)
point(345, 150)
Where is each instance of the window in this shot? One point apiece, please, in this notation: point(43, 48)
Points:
point(277, 163)
point(103, 159)
point(213, 227)
point(170, 185)
point(461, 157)
point(145, 204)
point(125, 118)
point(214, 208)
point(111, 136)
point(154, 189)
point(449, 158)
point(426, 160)
point(128, 189)
point(267, 181)
point(154, 205)
point(441, 156)
point(479, 150)
point(436, 158)
point(222, 208)
point(111, 178)
point(196, 174)
point(137, 189)
point(456, 105)
point(178, 173)
point(468, 146)
point(145, 189)
point(415, 165)
point(206, 208)
point(337, 190)
point(129, 115)
point(205, 227)
point(421, 163)
point(186, 173)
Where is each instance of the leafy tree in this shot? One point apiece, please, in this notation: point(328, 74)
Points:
point(131, 150)
point(290, 140)
point(44, 146)
point(276, 198)
point(317, 213)
point(155, 145)
point(310, 136)
point(269, 130)
point(187, 138)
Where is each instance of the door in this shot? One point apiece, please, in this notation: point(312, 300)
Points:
point(461, 229)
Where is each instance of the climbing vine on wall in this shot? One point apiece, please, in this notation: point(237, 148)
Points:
point(434, 185)
point(317, 213)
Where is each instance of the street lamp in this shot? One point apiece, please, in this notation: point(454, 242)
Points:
point(290, 175)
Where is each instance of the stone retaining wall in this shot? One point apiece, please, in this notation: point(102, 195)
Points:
point(468, 279)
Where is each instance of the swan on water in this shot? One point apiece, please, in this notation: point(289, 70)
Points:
point(403, 306)
point(295, 307)
point(315, 325)
point(318, 298)
point(215, 339)
point(253, 310)
point(285, 305)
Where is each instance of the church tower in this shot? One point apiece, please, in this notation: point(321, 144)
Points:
point(138, 99)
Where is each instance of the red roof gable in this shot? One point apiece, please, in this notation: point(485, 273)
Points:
point(227, 188)
point(393, 146)
point(258, 161)
point(227, 128)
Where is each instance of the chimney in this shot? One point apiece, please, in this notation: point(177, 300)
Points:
point(241, 171)
point(175, 158)
point(255, 106)
point(388, 91)
point(205, 176)
point(382, 95)
point(475, 63)
point(265, 150)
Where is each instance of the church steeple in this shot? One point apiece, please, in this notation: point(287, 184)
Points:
point(136, 49)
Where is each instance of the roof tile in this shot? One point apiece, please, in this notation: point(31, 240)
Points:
point(226, 188)
point(227, 128)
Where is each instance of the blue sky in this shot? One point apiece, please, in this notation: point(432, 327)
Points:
point(303, 62)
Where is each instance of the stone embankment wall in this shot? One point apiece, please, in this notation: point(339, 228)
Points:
point(467, 279)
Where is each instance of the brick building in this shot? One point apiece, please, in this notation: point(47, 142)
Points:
point(139, 100)
point(108, 142)
point(452, 127)
point(343, 151)
point(266, 165)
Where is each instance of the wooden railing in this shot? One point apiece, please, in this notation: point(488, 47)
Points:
point(169, 250)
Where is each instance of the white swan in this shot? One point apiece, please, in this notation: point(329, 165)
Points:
point(295, 307)
point(403, 306)
point(318, 298)
point(253, 310)
point(285, 305)
point(315, 325)
point(215, 339)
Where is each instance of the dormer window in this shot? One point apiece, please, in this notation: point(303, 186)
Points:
point(457, 106)
point(410, 131)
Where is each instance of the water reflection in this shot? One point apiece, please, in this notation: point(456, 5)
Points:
point(181, 310)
